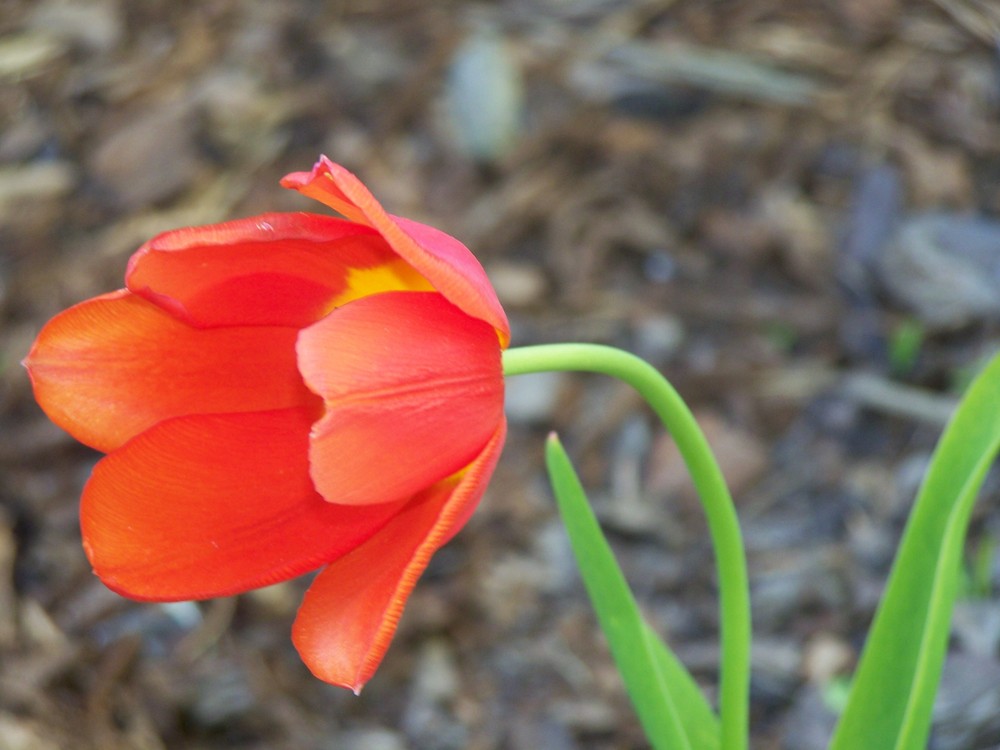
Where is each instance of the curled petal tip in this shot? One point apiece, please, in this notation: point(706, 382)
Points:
point(446, 263)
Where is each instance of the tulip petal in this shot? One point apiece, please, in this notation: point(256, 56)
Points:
point(413, 391)
point(350, 613)
point(113, 366)
point(211, 505)
point(275, 269)
point(444, 261)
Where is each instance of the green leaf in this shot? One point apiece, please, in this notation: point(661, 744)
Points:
point(697, 717)
point(890, 704)
point(670, 705)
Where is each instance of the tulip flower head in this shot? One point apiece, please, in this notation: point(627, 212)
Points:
point(282, 394)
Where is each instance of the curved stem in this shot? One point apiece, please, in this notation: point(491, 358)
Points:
point(734, 595)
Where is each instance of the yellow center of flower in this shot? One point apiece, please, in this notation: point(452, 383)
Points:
point(395, 276)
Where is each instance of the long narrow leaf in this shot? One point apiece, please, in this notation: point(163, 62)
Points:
point(699, 720)
point(890, 704)
point(671, 707)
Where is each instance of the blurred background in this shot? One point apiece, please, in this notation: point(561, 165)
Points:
point(789, 207)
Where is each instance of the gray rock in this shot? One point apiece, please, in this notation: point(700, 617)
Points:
point(532, 398)
point(369, 739)
point(967, 709)
point(810, 722)
point(945, 268)
point(485, 96)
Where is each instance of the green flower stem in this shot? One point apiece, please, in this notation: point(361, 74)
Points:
point(734, 594)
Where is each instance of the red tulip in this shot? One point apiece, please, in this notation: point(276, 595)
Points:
point(281, 394)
